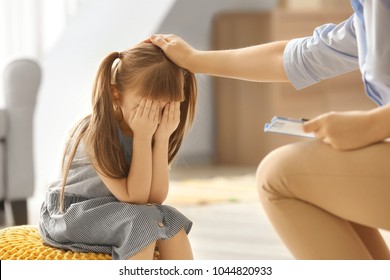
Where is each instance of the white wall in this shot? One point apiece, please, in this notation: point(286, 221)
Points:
point(100, 27)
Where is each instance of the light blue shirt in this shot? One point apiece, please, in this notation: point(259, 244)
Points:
point(362, 41)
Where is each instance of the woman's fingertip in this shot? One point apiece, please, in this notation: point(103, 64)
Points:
point(306, 127)
point(155, 38)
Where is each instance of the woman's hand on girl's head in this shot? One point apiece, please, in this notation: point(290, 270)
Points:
point(144, 120)
point(342, 130)
point(169, 121)
point(178, 50)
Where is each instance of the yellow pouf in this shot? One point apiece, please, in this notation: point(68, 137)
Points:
point(25, 243)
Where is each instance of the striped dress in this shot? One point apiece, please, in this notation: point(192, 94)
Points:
point(95, 221)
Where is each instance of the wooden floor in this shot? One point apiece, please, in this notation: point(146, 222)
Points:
point(221, 231)
point(234, 231)
point(230, 231)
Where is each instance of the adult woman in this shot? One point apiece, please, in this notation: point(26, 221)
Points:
point(326, 198)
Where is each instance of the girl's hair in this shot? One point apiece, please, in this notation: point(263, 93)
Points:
point(146, 69)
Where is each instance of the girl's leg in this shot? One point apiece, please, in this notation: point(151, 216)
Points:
point(175, 248)
point(316, 197)
point(145, 254)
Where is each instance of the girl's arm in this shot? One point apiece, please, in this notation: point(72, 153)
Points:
point(160, 175)
point(261, 63)
point(137, 186)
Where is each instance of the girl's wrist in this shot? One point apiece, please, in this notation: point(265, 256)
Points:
point(161, 140)
point(142, 138)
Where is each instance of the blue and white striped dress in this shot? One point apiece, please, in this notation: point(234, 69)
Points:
point(95, 221)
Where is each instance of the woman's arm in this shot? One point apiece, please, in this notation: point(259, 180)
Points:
point(330, 51)
point(261, 63)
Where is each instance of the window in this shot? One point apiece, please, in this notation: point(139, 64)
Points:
point(29, 28)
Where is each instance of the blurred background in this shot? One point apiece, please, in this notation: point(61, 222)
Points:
point(213, 176)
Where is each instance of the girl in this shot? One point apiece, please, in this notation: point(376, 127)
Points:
point(115, 164)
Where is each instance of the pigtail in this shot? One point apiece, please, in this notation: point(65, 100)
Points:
point(72, 143)
point(98, 130)
point(102, 136)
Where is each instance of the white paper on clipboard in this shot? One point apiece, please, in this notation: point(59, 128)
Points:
point(287, 126)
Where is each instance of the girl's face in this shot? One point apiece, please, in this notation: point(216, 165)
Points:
point(129, 102)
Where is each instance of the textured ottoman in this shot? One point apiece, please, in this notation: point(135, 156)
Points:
point(24, 243)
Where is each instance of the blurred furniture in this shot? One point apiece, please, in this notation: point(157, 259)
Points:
point(242, 108)
point(24, 243)
point(22, 78)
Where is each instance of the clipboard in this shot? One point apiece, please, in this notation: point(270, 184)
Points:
point(288, 126)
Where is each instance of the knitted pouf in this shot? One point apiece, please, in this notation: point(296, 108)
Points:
point(25, 243)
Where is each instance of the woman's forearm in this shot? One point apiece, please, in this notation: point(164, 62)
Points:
point(260, 63)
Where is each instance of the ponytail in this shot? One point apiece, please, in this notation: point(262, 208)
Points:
point(102, 136)
point(98, 130)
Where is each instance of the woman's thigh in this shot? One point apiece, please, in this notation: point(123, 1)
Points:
point(353, 185)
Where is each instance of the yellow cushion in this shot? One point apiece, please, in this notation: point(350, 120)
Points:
point(25, 243)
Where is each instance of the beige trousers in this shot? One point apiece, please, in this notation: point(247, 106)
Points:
point(325, 203)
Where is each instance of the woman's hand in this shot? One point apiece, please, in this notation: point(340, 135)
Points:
point(169, 121)
point(143, 121)
point(178, 50)
point(343, 130)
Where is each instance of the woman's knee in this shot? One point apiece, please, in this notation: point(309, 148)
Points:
point(273, 170)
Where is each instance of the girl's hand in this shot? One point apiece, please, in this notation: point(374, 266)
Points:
point(178, 50)
point(169, 121)
point(144, 120)
point(342, 131)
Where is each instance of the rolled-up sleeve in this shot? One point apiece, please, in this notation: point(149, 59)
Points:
point(376, 63)
point(330, 51)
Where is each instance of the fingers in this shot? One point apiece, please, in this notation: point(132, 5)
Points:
point(151, 109)
point(164, 41)
point(160, 41)
point(148, 109)
point(314, 126)
point(155, 112)
point(176, 111)
point(140, 108)
point(311, 126)
point(131, 115)
point(171, 112)
point(165, 113)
